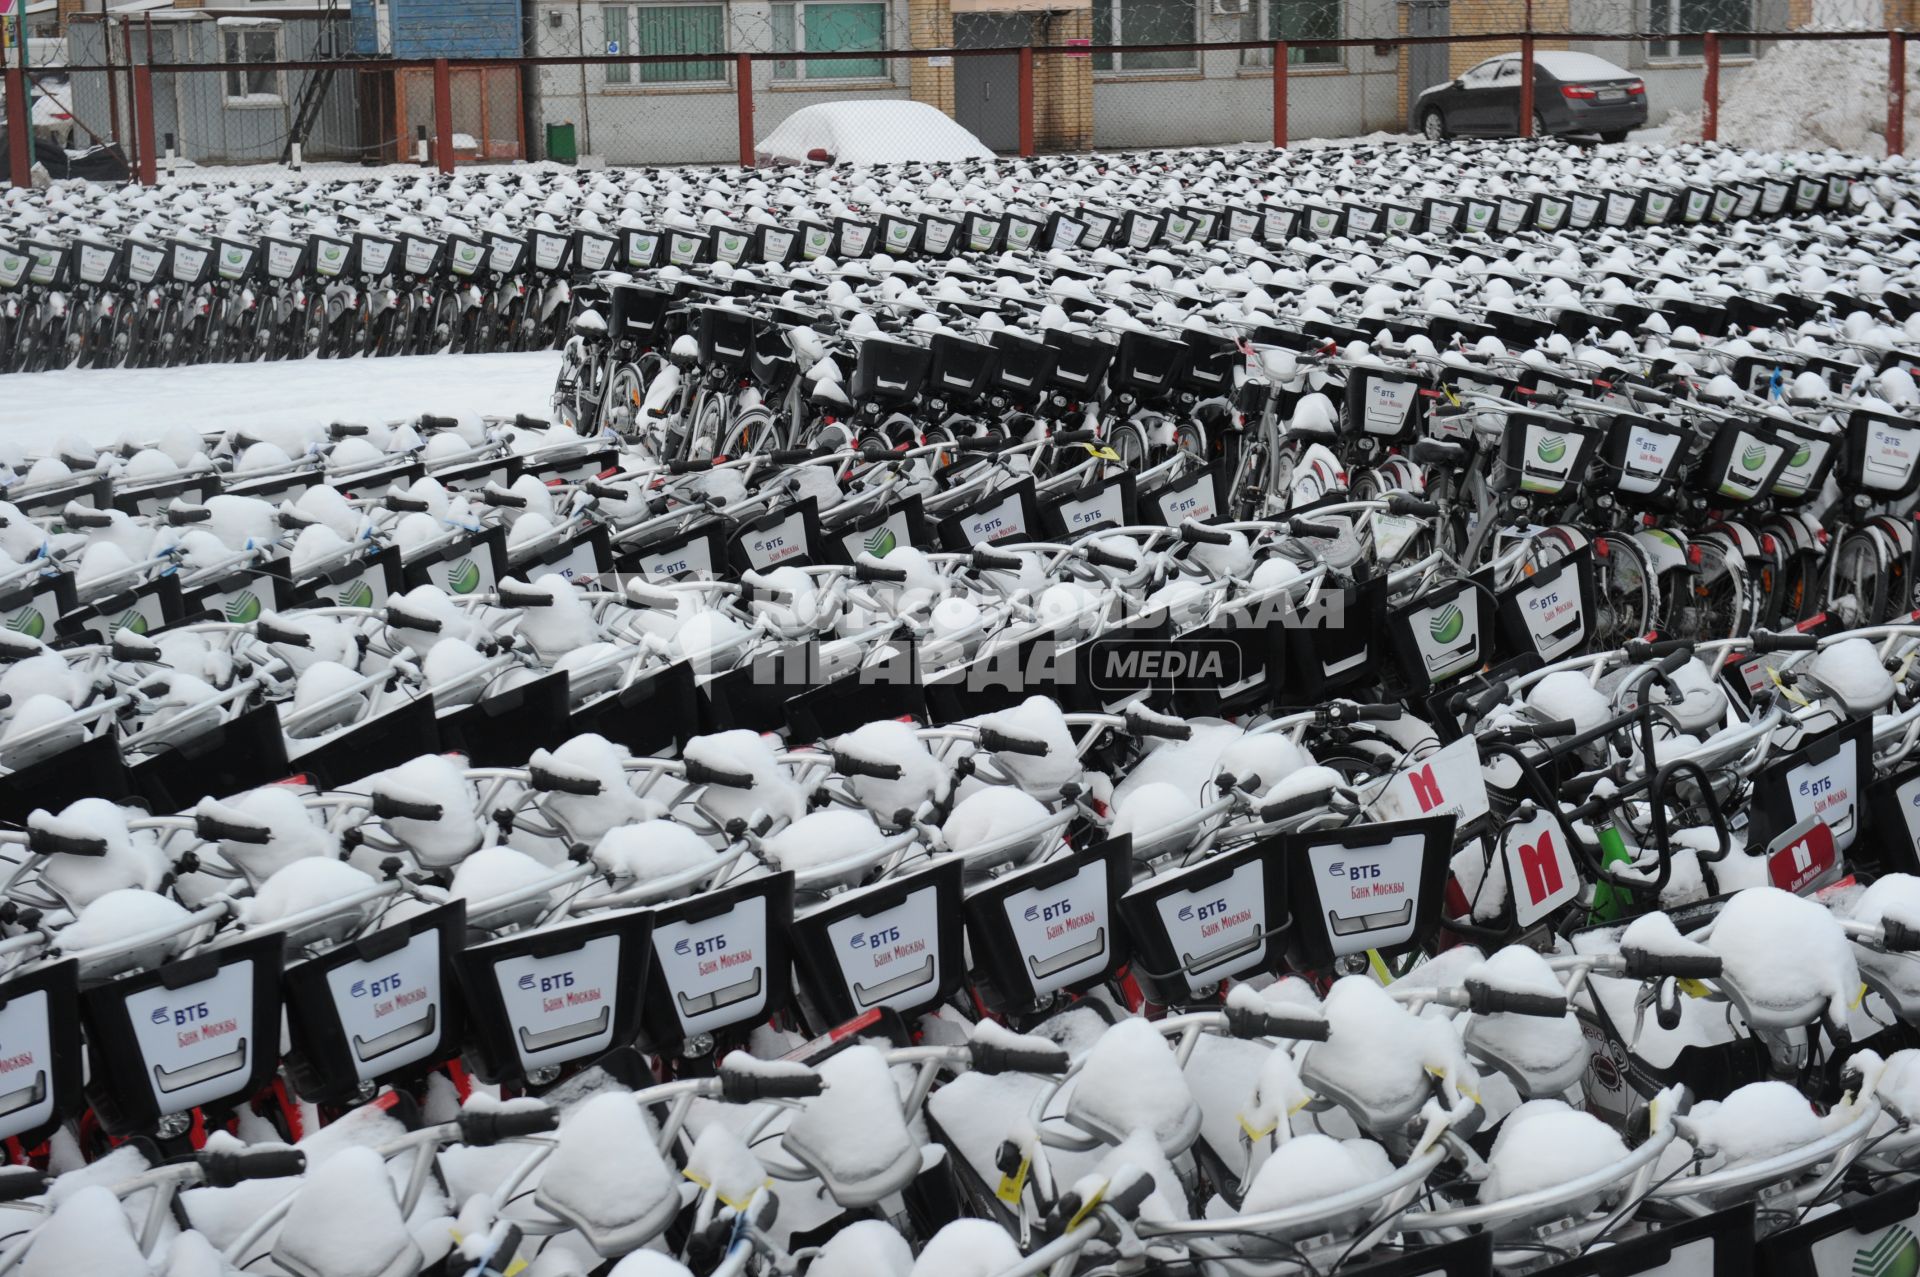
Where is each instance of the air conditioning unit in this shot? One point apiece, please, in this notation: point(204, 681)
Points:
point(1230, 8)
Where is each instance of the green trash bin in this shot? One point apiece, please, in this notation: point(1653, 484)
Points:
point(560, 144)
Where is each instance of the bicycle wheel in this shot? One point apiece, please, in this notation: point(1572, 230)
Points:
point(1857, 580)
point(1625, 593)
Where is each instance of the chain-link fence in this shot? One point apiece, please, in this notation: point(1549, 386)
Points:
point(693, 82)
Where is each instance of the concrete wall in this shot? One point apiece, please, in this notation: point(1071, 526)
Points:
point(193, 106)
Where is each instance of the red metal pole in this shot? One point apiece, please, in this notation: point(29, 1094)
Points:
point(1279, 93)
point(19, 129)
point(126, 51)
point(1526, 82)
point(1026, 101)
point(1710, 91)
point(143, 123)
point(743, 105)
point(443, 113)
point(1896, 92)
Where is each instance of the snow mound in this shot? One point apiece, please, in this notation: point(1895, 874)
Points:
point(888, 132)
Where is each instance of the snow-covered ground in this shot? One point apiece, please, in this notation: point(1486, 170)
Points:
point(101, 405)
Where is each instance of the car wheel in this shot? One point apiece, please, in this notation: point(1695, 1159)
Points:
point(1539, 125)
point(1618, 135)
point(1434, 126)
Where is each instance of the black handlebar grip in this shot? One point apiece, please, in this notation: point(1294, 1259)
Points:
point(789, 456)
point(876, 572)
point(498, 497)
point(430, 422)
point(1417, 507)
point(1108, 559)
point(1142, 726)
point(1485, 999)
point(128, 646)
point(18, 1183)
point(80, 516)
point(847, 765)
point(270, 632)
point(605, 491)
point(402, 617)
point(1483, 703)
point(1650, 649)
point(480, 1129)
point(1898, 937)
point(1276, 1022)
point(1193, 533)
point(180, 512)
point(1298, 805)
point(701, 774)
point(524, 422)
point(991, 560)
point(983, 443)
point(226, 1167)
point(554, 783)
point(689, 465)
point(991, 1058)
point(1067, 438)
point(744, 1086)
point(1126, 1200)
point(1544, 730)
point(1787, 641)
point(1642, 965)
point(1372, 713)
point(1308, 528)
point(992, 738)
point(44, 842)
point(519, 594)
point(214, 829)
point(387, 807)
point(401, 504)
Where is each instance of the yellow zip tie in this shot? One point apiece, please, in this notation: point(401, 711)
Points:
point(1692, 988)
point(740, 1205)
point(1101, 451)
point(1378, 966)
point(1011, 1186)
point(1858, 998)
point(1253, 1135)
point(1790, 693)
point(1092, 1204)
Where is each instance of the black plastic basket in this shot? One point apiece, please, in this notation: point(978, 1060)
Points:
point(330, 257)
point(1146, 364)
point(1210, 364)
point(959, 368)
point(725, 336)
point(1022, 367)
point(889, 371)
point(95, 263)
point(637, 312)
point(552, 252)
point(373, 255)
point(1882, 455)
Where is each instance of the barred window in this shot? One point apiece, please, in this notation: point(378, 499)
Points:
point(663, 29)
point(242, 46)
point(1686, 19)
point(830, 28)
point(1146, 22)
point(1294, 20)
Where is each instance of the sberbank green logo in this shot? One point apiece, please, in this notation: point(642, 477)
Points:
point(1754, 456)
point(243, 607)
point(463, 577)
point(1801, 456)
point(1895, 1253)
point(880, 542)
point(1551, 448)
point(731, 243)
point(131, 619)
point(28, 621)
point(358, 594)
point(1447, 623)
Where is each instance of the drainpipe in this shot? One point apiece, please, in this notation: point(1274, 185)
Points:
point(586, 111)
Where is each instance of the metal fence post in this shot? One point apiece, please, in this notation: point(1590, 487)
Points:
point(1896, 92)
point(743, 105)
point(1710, 90)
point(1026, 101)
point(1279, 92)
point(19, 129)
point(443, 113)
point(1526, 83)
point(143, 123)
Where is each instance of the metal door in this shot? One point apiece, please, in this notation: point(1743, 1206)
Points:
point(1426, 63)
point(986, 90)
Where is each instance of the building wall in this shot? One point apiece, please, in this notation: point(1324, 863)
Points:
point(193, 106)
point(672, 124)
point(438, 28)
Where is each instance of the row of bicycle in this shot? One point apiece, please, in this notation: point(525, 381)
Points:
point(187, 274)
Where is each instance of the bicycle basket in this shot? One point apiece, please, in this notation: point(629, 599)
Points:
point(552, 252)
point(1210, 364)
point(1381, 402)
point(726, 337)
point(1543, 455)
point(331, 256)
point(720, 961)
point(889, 371)
point(959, 368)
point(638, 312)
point(94, 263)
point(505, 253)
point(1146, 364)
point(373, 255)
point(1744, 460)
point(1022, 366)
point(1639, 453)
point(640, 247)
point(897, 944)
point(285, 258)
point(729, 244)
point(235, 260)
point(592, 250)
point(1882, 455)
point(1810, 455)
point(1196, 926)
point(49, 268)
point(1051, 927)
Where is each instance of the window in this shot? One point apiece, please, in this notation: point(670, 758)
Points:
point(1145, 22)
point(1687, 18)
point(1484, 75)
point(665, 28)
point(830, 28)
point(1293, 20)
point(241, 46)
point(614, 28)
